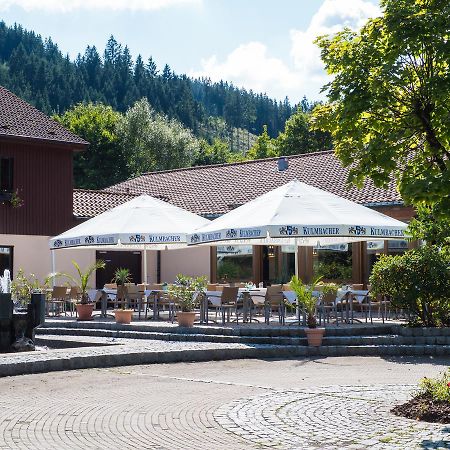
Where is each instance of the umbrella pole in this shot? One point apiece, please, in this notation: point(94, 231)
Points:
point(53, 267)
point(145, 264)
point(296, 258)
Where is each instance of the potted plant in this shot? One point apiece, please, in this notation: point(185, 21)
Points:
point(305, 298)
point(121, 277)
point(85, 306)
point(184, 290)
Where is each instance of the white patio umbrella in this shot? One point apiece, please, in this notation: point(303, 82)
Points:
point(143, 223)
point(301, 215)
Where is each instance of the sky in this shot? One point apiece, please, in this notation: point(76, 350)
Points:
point(264, 45)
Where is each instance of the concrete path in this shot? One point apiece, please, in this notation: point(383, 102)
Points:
point(322, 403)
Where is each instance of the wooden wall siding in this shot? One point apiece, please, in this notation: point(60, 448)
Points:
point(43, 176)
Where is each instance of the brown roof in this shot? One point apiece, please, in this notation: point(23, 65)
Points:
point(19, 119)
point(88, 203)
point(213, 190)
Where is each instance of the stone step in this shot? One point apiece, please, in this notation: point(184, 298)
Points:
point(210, 330)
point(269, 340)
point(36, 362)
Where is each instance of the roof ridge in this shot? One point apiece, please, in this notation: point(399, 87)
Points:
point(103, 191)
point(237, 163)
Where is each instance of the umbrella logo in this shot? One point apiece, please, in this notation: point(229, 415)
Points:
point(230, 234)
point(58, 243)
point(137, 238)
point(357, 230)
point(288, 230)
point(89, 240)
point(195, 238)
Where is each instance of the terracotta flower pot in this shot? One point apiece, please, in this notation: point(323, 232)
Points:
point(84, 311)
point(123, 315)
point(186, 319)
point(315, 336)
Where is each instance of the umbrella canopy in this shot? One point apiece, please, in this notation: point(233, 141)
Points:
point(298, 214)
point(144, 222)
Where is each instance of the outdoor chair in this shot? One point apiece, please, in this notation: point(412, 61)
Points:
point(274, 302)
point(211, 287)
point(165, 302)
point(362, 303)
point(142, 299)
point(110, 286)
point(133, 295)
point(227, 302)
point(357, 287)
point(328, 308)
point(73, 298)
point(383, 304)
point(257, 303)
point(57, 301)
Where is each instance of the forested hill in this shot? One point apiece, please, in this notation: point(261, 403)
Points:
point(37, 71)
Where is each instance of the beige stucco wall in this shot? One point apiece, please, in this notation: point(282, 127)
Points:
point(32, 254)
point(189, 261)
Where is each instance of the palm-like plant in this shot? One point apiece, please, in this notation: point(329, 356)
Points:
point(305, 298)
point(122, 276)
point(82, 279)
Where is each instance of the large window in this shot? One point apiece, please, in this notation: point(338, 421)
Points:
point(6, 259)
point(6, 175)
point(234, 263)
point(333, 263)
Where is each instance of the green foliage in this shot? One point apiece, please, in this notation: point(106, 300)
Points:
point(122, 276)
point(264, 146)
point(329, 288)
point(436, 388)
point(97, 123)
point(22, 286)
point(305, 298)
point(297, 136)
point(217, 153)
point(154, 141)
point(387, 107)
point(82, 279)
point(38, 72)
point(336, 266)
point(431, 227)
point(417, 281)
point(184, 290)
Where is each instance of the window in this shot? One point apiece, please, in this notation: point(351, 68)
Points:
point(6, 175)
point(6, 259)
point(234, 263)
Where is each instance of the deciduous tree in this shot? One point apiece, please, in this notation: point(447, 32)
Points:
point(388, 105)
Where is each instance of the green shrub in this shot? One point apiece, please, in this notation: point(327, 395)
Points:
point(436, 388)
point(417, 281)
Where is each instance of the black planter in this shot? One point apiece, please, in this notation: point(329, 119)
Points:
point(6, 307)
point(38, 309)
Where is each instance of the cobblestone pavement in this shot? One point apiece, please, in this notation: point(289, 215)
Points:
point(242, 404)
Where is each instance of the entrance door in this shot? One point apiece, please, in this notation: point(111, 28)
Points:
point(114, 260)
point(6, 260)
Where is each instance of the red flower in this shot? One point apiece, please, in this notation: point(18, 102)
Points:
point(448, 385)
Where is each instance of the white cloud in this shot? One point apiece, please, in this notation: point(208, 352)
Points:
point(115, 5)
point(251, 66)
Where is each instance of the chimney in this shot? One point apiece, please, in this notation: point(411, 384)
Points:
point(283, 164)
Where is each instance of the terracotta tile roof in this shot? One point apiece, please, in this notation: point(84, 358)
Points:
point(212, 190)
point(19, 119)
point(88, 203)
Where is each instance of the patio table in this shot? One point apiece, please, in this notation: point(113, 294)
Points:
point(347, 296)
point(106, 294)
